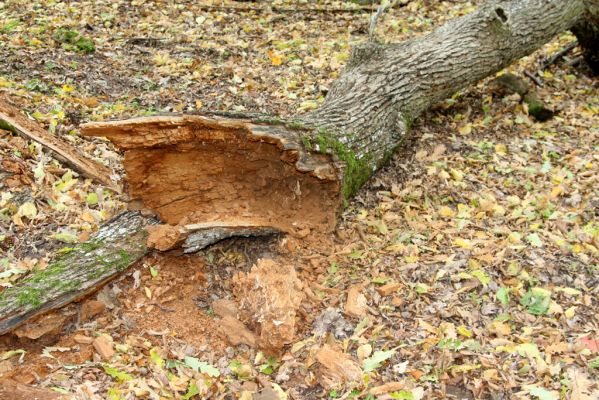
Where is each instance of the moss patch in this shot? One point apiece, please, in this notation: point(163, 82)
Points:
point(7, 127)
point(357, 170)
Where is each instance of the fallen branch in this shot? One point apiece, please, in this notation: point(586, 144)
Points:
point(82, 270)
point(13, 120)
point(119, 244)
point(555, 58)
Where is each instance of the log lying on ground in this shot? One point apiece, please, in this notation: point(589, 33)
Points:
point(291, 175)
point(272, 174)
point(13, 120)
point(82, 270)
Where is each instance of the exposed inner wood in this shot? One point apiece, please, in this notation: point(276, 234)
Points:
point(193, 169)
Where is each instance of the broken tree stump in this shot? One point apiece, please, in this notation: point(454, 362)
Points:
point(196, 170)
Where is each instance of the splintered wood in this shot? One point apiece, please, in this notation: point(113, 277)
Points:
point(15, 121)
point(224, 177)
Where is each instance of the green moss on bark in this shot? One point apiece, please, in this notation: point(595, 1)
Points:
point(357, 169)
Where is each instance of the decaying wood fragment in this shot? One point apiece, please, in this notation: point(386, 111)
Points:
point(208, 172)
point(12, 119)
point(71, 276)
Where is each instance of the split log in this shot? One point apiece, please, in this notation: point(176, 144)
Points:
point(296, 174)
point(80, 271)
point(13, 120)
point(290, 175)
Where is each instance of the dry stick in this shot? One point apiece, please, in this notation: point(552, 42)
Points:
point(13, 120)
point(385, 4)
point(534, 78)
point(554, 58)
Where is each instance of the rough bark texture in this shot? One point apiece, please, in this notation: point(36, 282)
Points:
point(87, 266)
point(370, 107)
point(291, 175)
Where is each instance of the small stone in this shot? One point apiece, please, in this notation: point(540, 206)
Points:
point(164, 237)
point(49, 324)
point(337, 367)
point(356, 304)
point(90, 309)
point(103, 347)
point(389, 288)
point(236, 332)
point(224, 307)
point(82, 339)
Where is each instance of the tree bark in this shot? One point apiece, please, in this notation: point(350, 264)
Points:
point(293, 175)
point(69, 277)
point(213, 177)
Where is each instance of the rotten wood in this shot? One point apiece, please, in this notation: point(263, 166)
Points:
point(85, 268)
point(291, 175)
point(224, 172)
point(71, 276)
point(12, 119)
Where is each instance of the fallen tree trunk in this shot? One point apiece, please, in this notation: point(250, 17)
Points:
point(293, 175)
point(212, 177)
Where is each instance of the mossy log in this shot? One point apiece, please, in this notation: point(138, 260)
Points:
point(292, 175)
point(77, 272)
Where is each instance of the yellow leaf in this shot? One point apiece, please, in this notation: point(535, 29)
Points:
point(570, 312)
point(276, 59)
point(457, 175)
point(463, 243)
point(148, 292)
point(67, 89)
point(500, 149)
point(462, 330)
point(27, 210)
point(500, 328)
point(514, 238)
point(87, 217)
point(556, 191)
point(465, 129)
point(446, 212)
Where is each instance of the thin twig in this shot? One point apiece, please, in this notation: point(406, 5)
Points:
point(534, 78)
point(554, 58)
point(385, 4)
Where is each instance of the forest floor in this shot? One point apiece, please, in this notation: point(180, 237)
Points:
point(468, 268)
